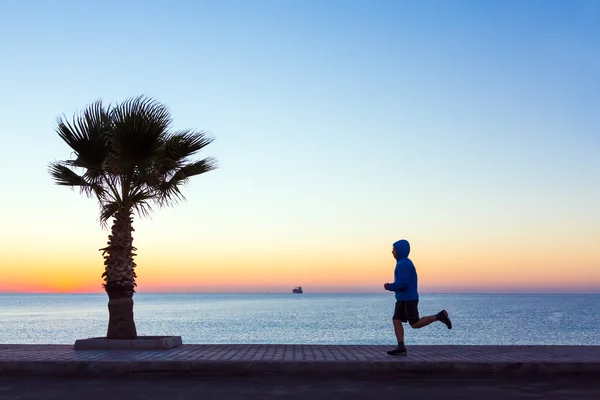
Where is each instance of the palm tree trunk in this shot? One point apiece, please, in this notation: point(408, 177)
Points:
point(119, 276)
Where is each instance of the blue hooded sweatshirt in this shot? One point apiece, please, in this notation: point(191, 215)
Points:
point(405, 274)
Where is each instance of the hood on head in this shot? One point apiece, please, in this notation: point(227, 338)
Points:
point(402, 248)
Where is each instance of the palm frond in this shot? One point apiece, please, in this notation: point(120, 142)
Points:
point(182, 144)
point(64, 176)
point(169, 192)
point(140, 201)
point(87, 136)
point(140, 128)
point(107, 211)
point(194, 168)
point(179, 146)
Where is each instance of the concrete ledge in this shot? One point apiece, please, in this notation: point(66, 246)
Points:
point(321, 368)
point(141, 343)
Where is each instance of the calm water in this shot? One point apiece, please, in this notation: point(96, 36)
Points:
point(307, 318)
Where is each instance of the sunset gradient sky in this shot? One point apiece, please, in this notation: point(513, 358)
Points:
point(470, 128)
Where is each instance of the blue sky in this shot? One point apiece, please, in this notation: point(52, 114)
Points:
point(340, 125)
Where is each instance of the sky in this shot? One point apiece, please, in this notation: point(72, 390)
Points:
point(469, 128)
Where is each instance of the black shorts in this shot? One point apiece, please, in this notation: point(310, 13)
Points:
point(407, 311)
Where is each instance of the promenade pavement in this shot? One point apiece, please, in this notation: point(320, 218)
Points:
point(316, 360)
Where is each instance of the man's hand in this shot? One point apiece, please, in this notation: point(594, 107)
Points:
point(385, 286)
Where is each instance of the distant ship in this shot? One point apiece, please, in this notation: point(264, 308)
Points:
point(297, 289)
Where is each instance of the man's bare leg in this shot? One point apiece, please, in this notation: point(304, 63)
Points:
point(399, 331)
point(424, 322)
point(442, 316)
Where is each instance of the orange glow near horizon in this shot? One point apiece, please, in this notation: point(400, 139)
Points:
point(318, 272)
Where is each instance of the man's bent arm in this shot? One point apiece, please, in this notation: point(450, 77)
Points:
point(401, 280)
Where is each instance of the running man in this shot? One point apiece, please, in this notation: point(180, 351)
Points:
point(407, 297)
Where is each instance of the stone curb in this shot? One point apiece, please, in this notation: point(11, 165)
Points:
point(320, 368)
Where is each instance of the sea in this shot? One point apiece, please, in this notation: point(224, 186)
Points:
point(309, 318)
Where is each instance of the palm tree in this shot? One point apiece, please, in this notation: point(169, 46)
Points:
point(129, 158)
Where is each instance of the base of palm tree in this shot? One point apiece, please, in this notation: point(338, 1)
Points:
point(141, 343)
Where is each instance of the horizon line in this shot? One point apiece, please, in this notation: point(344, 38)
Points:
point(597, 292)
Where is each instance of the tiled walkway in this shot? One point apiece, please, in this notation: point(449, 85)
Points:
point(311, 359)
